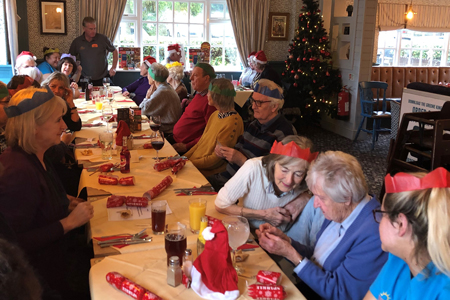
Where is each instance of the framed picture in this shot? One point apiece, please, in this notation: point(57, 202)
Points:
point(53, 17)
point(278, 26)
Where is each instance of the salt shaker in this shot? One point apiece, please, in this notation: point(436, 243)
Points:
point(187, 263)
point(174, 273)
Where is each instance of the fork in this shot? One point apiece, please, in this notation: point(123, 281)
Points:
point(116, 165)
point(135, 236)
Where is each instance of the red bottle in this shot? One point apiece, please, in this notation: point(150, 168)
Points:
point(125, 157)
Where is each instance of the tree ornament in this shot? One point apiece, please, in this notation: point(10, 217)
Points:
point(282, 74)
point(303, 40)
point(312, 68)
point(298, 39)
point(295, 84)
point(291, 56)
point(304, 58)
point(314, 81)
point(327, 73)
point(296, 76)
point(308, 13)
point(298, 58)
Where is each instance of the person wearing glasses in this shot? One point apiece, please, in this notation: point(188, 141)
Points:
point(269, 126)
point(347, 255)
point(414, 228)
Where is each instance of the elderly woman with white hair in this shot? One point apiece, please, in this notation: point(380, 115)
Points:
point(249, 73)
point(32, 198)
point(164, 101)
point(26, 65)
point(347, 256)
point(269, 186)
point(264, 70)
point(224, 127)
point(176, 74)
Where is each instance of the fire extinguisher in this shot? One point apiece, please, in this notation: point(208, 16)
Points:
point(344, 104)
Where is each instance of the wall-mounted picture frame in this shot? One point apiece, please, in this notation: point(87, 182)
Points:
point(278, 26)
point(53, 17)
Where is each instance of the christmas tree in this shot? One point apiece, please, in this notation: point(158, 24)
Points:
point(314, 83)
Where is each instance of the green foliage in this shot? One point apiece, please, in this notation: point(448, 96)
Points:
point(309, 67)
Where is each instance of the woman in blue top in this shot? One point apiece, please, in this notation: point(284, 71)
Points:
point(51, 59)
point(415, 230)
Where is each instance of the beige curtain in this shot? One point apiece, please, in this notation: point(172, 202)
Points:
point(249, 19)
point(428, 18)
point(107, 13)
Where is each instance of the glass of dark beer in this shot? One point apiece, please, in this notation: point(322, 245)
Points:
point(175, 241)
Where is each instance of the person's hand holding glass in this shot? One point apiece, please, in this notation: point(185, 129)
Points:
point(238, 232)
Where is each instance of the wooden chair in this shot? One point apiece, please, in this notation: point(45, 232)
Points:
point(369, 106)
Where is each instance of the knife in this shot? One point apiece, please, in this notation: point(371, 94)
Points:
point(128, 242)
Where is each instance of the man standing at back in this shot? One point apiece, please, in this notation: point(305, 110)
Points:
point(93, 49)
point(189, 129)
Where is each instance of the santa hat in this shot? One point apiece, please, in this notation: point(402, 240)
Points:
point(148, 60)
point(260, 57)
point(175, 48)
point(251, 54)
point(213, 274)
point(23, 57)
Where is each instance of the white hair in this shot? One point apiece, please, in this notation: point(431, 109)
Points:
point(23, 59)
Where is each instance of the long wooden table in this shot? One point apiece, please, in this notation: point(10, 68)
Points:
point(146, 263)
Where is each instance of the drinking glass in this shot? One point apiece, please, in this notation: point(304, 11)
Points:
point(107, 113)
point(197, 209)
point(238, 231)
point(106, 82)
point(157, 140)
point(106, 139)
point(175, 241)
point(155, 122)
point(158, 216)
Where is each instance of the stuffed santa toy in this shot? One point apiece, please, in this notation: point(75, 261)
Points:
point(213, 274)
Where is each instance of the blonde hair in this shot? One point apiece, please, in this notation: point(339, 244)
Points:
point(226, 103)
point(56, 76)
point(20, 130)
point(343, 178)
point(428, 212)
point(270, 160)
point(176, 72)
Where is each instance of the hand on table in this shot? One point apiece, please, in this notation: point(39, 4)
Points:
point(80, 215)
point(277, 216)
point(233, 156)
point(126, 93)
point(180, 147)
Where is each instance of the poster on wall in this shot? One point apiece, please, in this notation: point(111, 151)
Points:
point(194, 57)
point(53, 17)
point(129, 58)
point(206, 52)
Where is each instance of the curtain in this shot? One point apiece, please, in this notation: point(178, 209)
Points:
point(107, 13)
point(11, 22)
point(428, 18)
point(250, 20)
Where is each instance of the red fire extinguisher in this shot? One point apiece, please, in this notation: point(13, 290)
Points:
point(344, 104)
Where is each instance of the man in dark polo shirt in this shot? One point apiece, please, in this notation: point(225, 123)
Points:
point(93, 49)
point(258, 137)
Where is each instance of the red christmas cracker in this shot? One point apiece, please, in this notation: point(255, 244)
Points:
point(115, 201)
point(126, 180)
point(136, 201)
point(166, 164)
point(108, 179)
point(115, 279)
point(266, 292)
point(130, 288)
point(178, 167)
point(155, 191)
point(268, 277)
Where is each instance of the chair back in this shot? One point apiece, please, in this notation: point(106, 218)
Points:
point(369, 99)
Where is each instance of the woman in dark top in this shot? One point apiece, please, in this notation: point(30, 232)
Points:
point(138, 89)
point(59, 84)
point(32, 198)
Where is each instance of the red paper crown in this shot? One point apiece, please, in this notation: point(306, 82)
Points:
point(293, 150)
point(403, 182)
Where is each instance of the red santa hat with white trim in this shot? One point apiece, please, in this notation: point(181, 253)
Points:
point(174, 48)
point(213, 274)
point(260, 57)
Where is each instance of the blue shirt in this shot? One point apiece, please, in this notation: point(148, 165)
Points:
point(46, 68)
point(395, 282)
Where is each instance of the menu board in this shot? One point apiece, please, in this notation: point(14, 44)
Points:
point(129, 57)
point(206, 52)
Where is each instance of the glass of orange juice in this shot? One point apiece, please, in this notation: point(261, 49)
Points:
point(197, 209)
point(98, 103)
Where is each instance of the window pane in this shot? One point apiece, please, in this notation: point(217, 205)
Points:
point(448, 59)
point(227, 13)
point(150, 50)
point(229, 35)
point(406, 42)
point(388, 57)
point(181, 34)
point(149, 33)
point(197, 13)
point(216, 56)
point(217, 31)
point(149, 10)
point(437, 56)
point(231, 57)
point(379, 57)
point(126, 34)
point(181, 11)
point(217, 11)
point(165, 33)
point(426, 55)
point(165, 11)
point(404, 57)
point(129, 7)
point(161, 55)
point(196, 34)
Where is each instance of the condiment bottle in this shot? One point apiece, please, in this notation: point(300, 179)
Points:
point(174, 273)
point(187, 263)
point(125, 157)
point(201, 240)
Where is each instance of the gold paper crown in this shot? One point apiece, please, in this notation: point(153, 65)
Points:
point(293, 150)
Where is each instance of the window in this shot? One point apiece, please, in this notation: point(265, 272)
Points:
point(153, 24)
point(413, 48)
point(3, 50)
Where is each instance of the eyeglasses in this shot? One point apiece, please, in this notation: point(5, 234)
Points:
point(258, 103)
point(378, 214)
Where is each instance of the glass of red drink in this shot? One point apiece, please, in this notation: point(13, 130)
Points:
point(175, 241)
point(158, 216)
point(157, 140)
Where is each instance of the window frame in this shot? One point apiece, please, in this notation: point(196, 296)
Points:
point(206, 23)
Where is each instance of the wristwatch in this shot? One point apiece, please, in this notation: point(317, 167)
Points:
point(299, 261)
